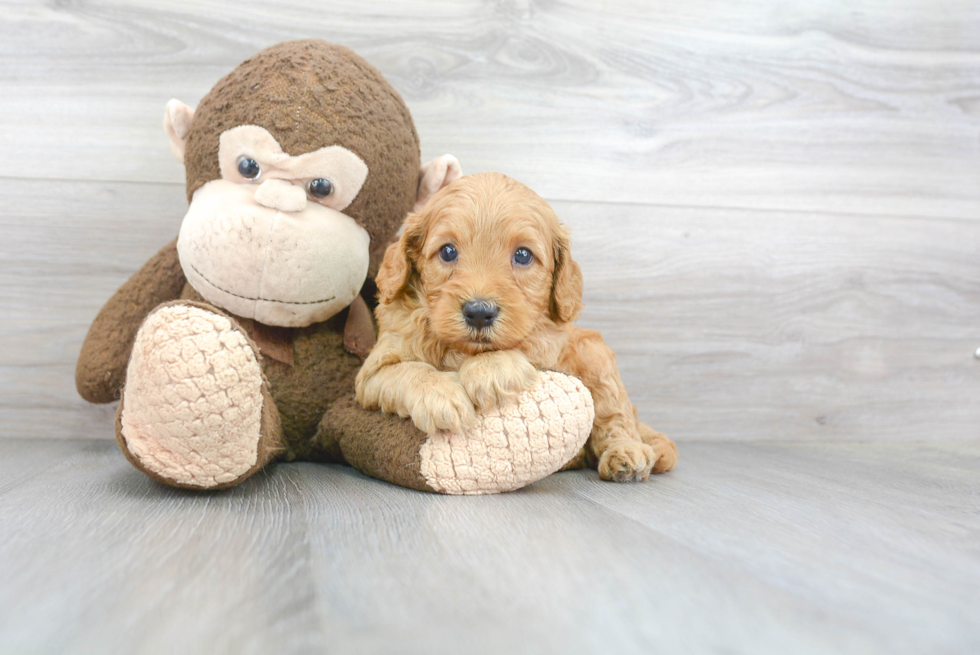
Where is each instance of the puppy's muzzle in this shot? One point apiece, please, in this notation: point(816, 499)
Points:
point(480, 313)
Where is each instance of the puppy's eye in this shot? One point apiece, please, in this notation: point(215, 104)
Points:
point(320, 188)
point(523, 257)
point(448, 253)
point(248, 168)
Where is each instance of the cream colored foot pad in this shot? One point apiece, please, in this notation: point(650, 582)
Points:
point(515, 445)
point(192, 405)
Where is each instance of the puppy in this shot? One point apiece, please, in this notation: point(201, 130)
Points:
point(478, 294)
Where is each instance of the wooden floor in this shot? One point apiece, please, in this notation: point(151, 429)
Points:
point(745, 548)
point(776, 207)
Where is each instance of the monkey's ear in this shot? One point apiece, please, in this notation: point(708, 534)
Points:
point(176, 121)
point(434, 175)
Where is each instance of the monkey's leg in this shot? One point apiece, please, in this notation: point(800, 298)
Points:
point(383, 446)
point(509, 447)
point(195, 411)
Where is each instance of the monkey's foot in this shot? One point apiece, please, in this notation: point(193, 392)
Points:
point(195, 411)
point(509, 447)
point(513, 445)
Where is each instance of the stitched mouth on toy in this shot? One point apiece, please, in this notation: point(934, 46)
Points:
point(238, 295)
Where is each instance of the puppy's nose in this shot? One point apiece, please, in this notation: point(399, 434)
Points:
point(480, 313)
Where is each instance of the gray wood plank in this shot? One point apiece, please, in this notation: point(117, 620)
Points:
point(748, 325)
point(745, 548)
point(875, 533)
point(97, 559)
point(62, 256)
point(867, 110)
point(776, 211)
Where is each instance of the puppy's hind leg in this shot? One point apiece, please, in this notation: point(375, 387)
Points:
point(664, 449)
point(621, 454)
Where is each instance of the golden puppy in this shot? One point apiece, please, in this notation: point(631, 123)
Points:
point(478, 293)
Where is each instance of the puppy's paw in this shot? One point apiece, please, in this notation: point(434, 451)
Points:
point(495, 378)
point(442, 405)
point(627, 461)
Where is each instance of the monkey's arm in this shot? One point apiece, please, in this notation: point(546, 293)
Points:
point(101, 368)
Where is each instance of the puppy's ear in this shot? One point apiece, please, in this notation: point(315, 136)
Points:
point(398, 265)
point(566, 288)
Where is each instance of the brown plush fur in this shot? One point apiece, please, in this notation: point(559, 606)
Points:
point(380, 445)
point(430, 365)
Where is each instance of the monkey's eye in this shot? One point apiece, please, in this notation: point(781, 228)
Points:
point(448, 253)
point(320, 188)
point(523, 257)
point(248, 168)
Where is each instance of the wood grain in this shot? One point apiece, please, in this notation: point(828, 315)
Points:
point(745, 548)
point(863, 110)
point(775, 207)
point(735, 324)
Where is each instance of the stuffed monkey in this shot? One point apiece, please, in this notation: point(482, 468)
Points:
point(238, 343)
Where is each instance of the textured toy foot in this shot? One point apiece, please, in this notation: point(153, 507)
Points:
point(627, 461)
point(195, 412)
point(509, 447)
point(513, 445)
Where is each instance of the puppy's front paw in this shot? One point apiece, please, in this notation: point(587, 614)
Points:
point(495, 378)
point(442, 405)
point(627, 461)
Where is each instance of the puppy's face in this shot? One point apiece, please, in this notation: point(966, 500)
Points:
point(488, 260)
point(486, 273)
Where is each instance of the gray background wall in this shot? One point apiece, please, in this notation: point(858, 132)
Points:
point(776, 205)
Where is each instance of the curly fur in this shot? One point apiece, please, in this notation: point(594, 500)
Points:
point(431, 365)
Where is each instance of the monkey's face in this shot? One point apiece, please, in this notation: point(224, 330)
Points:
point(268, 241)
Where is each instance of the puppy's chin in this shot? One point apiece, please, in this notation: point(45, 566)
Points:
point(477, 342)
point(474, 342)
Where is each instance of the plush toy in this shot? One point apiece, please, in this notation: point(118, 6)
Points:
point(238, 343)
